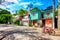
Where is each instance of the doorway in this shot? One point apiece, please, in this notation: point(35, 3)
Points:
point(43, 23)
point(56, 24)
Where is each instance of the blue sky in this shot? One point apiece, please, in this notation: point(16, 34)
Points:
point(14, 5)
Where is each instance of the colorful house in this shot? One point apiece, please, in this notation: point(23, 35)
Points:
point(35, 15)
point(47, 18)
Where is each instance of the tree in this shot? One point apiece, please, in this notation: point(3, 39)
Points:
point(3, 11)
point(5, 16)
point(56, 12)
point(21, 13)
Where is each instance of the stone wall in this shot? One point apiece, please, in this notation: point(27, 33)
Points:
point(59, 16)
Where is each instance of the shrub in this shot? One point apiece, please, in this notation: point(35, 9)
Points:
point(16, 22)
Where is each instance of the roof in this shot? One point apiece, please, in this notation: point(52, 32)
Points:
point(49, 8)
point(35, 9)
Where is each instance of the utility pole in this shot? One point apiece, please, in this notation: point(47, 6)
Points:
point(53, 20)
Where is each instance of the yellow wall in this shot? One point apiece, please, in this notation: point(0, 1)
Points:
point(59, 17)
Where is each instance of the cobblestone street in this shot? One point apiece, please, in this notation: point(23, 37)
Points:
point(24, 33)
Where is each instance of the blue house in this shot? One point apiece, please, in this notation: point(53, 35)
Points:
point(35, 14)
point(48, 14)
point(47, 18)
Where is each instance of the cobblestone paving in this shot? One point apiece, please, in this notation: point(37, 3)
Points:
point(25, 33)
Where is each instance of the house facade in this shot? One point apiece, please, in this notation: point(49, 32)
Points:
point(35, 16)
point(59, 16)
point(47, 18)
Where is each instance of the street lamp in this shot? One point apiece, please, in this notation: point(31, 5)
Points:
point(53, 20)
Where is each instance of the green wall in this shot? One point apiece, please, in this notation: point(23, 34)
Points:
point(36, 16)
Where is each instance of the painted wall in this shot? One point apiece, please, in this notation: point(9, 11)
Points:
point(50, 15)
point(48, 22)
point(59, 17)
point(35, 15)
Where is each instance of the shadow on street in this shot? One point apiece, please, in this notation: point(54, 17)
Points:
point(22, 32)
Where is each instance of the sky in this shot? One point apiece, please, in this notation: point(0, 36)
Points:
point(14, 5)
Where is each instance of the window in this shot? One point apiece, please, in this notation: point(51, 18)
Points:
point(33, 14)
point(47, 13)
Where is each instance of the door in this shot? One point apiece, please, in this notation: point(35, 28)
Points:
point(43, 23)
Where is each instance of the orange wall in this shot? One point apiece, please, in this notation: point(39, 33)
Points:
point(48, 22)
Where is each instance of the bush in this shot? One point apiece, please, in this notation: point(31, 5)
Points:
point(16, 22)
point(30, 24)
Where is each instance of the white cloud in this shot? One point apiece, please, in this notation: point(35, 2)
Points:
point(24, 3)
point(25, 6)
point(12, 1)
point(8, 6)
point(38, 3)
point(19, 0)
point(2, 6)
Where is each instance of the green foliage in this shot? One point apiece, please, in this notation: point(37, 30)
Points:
point(16, 22)
point(30, 24)
point(3, 11)
point(5, 16)
point(21, 12)
point(56, 12)
point(15, 14)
